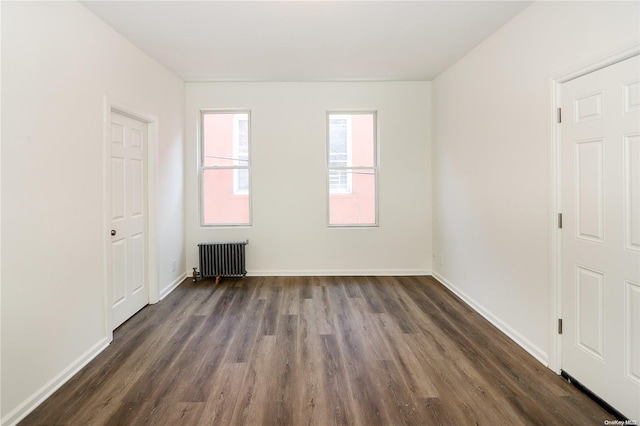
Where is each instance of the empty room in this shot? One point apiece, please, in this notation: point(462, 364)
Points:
point(320, 212)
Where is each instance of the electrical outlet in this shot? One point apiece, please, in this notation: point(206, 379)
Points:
point(173, 266)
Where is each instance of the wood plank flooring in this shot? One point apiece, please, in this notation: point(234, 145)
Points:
point(314, 351)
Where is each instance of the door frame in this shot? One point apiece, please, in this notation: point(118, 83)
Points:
point(554, 356)
point(151, 239)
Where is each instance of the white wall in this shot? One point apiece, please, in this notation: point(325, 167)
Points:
point(289, 233)
point(491, 175)
point(59, 63)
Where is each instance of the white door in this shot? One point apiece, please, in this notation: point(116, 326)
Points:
point(127, 275)
point(600, 162)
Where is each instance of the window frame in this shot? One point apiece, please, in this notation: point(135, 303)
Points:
point(350, 167)
point(202, 167)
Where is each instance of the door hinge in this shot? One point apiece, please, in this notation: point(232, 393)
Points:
point(559, 325)
point(559, 220)
point(559, 115)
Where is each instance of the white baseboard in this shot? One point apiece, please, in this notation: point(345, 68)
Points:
point(522, 341)
point(31, 403)
point(175, 283)
point(337, 272)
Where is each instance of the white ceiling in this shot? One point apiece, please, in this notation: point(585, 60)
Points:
point(306, 40)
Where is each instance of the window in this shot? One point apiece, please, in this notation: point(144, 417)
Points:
point(352, 169)
point(225, 168)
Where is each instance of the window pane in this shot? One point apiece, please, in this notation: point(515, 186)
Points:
point(241, 139)
point(359, 206)
point(339, 153)
point(222, 203)
point(225, 139)
point(363, 142)
point(339, 182)
point(339, 134)
point(352, 140)
point(241, 181)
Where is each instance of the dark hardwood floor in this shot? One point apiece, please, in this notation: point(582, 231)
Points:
point(314, 351)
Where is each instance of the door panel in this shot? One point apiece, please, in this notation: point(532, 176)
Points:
point(632, 96)
point(137, 243)
point(137, 188)
point(117, 188)
point(127, 264)
point(590, 307)
point(632, 191)
point(590, 208)
point(118, 262)
point(600, 163)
